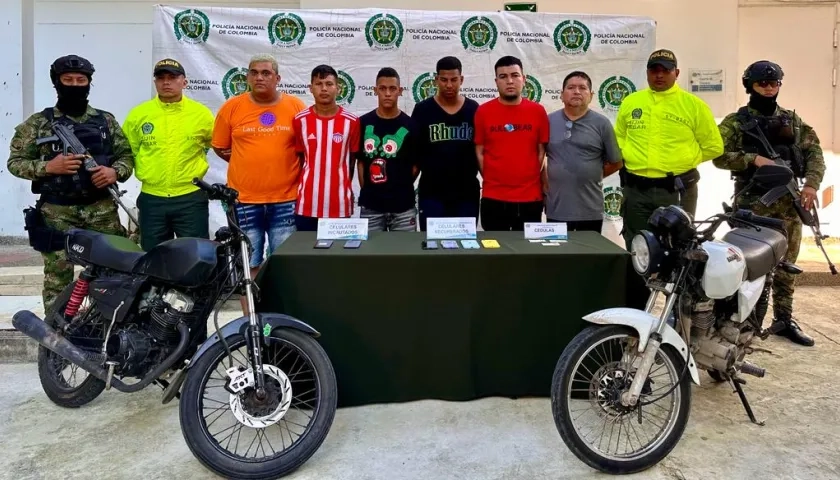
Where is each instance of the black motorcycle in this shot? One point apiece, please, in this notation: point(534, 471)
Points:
point(143, 315)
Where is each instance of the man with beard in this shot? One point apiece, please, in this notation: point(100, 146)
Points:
point(581, 151)
point(798, 147)
point(510, 137)
point(71, 196)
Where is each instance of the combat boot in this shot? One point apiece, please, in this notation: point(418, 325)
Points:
point(785, 326)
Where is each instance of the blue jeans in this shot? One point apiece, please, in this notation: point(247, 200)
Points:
point(391, 222)
point(275, 220)
point(433, 208)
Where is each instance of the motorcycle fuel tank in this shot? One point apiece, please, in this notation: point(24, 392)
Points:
point(725, 269)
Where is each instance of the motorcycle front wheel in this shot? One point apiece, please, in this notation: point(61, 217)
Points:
point(243, 436)
point(594, 370)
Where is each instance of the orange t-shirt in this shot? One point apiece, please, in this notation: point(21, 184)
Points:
point(263, 166)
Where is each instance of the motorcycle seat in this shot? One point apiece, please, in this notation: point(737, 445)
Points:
point(103, 250)
point(763, 250)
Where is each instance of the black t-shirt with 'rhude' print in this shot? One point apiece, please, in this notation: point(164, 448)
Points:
point(387, 155)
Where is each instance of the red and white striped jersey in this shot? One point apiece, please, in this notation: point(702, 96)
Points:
point(327, 143)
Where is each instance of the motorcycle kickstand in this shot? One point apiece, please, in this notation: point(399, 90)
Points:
point(736, 383)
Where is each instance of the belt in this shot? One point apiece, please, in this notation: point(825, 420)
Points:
point(670, 182)
point(68, 201)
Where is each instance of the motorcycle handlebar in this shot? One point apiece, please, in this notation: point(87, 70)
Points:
point(750, 217)
point(216, 191)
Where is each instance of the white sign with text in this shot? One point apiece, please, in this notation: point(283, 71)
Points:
point(450, 228)
point(342, 229)
point(546, 231)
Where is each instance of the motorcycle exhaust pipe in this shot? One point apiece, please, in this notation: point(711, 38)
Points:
point(30, 325)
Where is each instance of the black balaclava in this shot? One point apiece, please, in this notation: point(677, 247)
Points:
point(765, 105)
point(72, 99)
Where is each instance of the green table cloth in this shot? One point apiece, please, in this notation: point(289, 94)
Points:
point(401, 323)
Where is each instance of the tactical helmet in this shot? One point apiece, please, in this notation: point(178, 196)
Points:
point(761, 70)
point(70, 64)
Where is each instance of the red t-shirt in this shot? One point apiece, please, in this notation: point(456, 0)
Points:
point(327, 144)
point(511, 135)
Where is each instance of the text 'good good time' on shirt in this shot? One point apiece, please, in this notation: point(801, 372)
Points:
point(577, 152)
point(511, 136)
point(387, 154)
point(446, 151)
point(327, 143)
point(263, 166)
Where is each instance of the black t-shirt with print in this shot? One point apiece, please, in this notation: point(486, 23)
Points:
point(387, 154)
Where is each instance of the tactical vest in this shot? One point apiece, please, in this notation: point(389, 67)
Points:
point(780, 133)
point(77, 189)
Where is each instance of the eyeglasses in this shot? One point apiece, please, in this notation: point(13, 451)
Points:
point(769, 83)
point(569, 126)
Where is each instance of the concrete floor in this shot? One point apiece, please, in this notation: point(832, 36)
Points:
point(121, 436)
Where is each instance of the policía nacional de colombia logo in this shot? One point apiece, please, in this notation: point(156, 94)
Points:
point(572, 37)
point(384, 32)
point(346, 89)
point(612, 202)
point(235, 82)
point(191, 26)
point(613, 91)
point(286, 30)
point(147, 128)
point(532, 89)
point(479, 34)
point(424, 87)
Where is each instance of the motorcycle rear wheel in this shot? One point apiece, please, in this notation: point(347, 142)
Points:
point(56, 387)
point(561, 391)
point(210, 452)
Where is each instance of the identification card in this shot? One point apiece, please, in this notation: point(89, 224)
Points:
point(342, 229)
point(546, 231)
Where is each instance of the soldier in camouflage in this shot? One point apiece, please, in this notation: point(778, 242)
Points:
point(796, 144)
point(71, 196)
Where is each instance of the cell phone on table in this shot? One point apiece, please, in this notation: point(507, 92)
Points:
point(323, 244)
point(352, 244)
point(430, 245)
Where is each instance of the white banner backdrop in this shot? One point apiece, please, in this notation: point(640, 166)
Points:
point(214, 45)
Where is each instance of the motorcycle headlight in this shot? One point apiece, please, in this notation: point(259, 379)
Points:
point(647, 253)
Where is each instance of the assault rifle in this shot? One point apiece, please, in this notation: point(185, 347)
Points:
point(810, 217)
point(65, 135)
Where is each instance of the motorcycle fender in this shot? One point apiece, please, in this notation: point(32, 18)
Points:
point(645, 323)
point(238, 326)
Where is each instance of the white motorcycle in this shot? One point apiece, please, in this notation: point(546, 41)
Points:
point(620, 396)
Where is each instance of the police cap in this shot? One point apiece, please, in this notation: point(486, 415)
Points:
point(761, 70)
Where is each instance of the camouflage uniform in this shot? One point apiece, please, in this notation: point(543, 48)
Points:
point(734, 158)
point(28, 161)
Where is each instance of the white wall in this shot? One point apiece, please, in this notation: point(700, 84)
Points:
point(11, 112)
point(116, 36)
